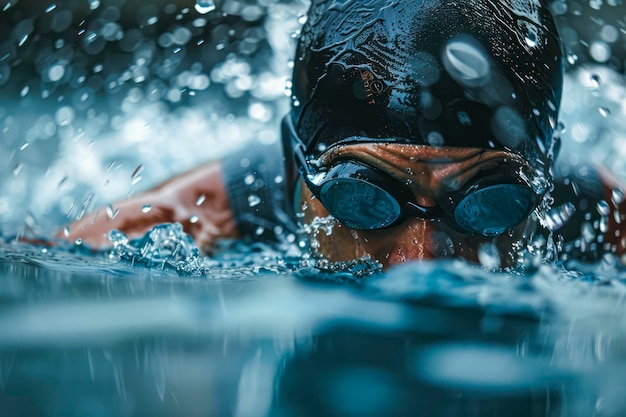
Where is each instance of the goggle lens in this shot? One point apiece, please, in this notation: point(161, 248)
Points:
point(359, 204)
point(495, 209)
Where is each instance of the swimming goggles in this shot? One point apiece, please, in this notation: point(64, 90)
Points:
point(363, 197)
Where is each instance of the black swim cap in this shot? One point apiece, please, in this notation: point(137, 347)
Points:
point(471, 73)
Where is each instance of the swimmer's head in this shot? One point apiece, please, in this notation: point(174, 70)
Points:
point(469, 74)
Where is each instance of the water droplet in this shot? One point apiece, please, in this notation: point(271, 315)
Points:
point(259, 231)
point(94, 4)
point(409, 170)
point(62, 182)
point(466, 62)
point(111, 212)
point(435, 139)
point(604, 111)
point(278, 179)
point(24, 146)
point(572, 58)
point(200, 200)
point(17, 169)
point(136, 173)
point(531, 39)
point(66, 231)
point(78, 241)
point(617, 196)
point(594, 81)
point(600, 51)
point(253, 200)
point(146, 208)
point(204, 6)
point(603, 208)
point(489, 256)
point(194, 219)
point(24, 91)
point(51, 8)
point(56, 72)
point(249, 179)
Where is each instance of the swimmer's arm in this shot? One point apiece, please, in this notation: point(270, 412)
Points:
point(197, 199)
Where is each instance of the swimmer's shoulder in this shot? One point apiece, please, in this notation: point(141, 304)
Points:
point(589, 212)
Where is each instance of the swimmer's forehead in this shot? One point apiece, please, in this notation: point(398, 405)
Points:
point(412, 153)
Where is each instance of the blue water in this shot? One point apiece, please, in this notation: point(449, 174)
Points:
point(101, 100)
point(259, 334)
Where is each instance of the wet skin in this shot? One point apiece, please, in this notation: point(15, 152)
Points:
point(425, 170)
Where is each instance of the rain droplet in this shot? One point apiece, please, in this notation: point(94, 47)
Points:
point(595, 80)
point(51, 8)
point(604, 111)
point(617, 196)
point(204, 6)
point(146, 208)
point(24, 146)
point(253, 200)
point(194, 219)
point(66, 231)
point(200, 200)
point(24, 91)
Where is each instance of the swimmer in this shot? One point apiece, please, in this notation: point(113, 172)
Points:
point(418, 130)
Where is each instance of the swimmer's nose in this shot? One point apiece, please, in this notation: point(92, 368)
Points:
point(413, 241)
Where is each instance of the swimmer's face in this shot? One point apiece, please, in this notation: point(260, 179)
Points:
point(424, 169)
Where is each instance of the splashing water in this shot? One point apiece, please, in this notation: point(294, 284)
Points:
point(103, 109)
